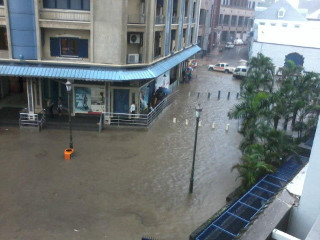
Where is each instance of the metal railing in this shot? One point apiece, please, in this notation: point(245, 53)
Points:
point(136, 19)
point(175, 20)
point(33, 119)
point(159, 19)
point(135, 120)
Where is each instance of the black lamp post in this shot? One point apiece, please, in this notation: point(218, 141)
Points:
point(69, 88)
point(198, 112)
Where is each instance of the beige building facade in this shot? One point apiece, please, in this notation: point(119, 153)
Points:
point(111, 50)
point(235, 19)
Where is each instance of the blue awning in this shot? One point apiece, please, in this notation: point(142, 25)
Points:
point(96, 73)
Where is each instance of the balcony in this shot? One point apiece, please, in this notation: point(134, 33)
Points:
point(185, 20)
point(175, 20)
point(136, 19)
point(65, 15)
point(2, 12)
point(159, 19)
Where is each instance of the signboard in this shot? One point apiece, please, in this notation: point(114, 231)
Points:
point(89, 99)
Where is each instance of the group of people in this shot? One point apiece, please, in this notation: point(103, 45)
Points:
point(50, 107)
point(187, 74)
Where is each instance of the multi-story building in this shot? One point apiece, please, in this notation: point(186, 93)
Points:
point(115, 52)
point(282, 33)
point(235, 19)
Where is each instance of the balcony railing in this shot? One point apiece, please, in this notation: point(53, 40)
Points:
point(136, 19)
point(65, 15)
point(2, 12)
point(175, 20)
point(185, 20)
point(193, 20)
point(159, 19)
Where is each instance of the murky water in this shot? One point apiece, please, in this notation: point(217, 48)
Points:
point(123, 184)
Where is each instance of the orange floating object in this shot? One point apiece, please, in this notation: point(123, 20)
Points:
point(67, 153)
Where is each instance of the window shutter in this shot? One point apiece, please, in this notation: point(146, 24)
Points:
point(83, 48)
point(55, 47)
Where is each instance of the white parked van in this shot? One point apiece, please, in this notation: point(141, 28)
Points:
point(240, 72)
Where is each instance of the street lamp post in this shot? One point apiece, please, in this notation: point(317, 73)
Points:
point(198, 112)
point(69, 87)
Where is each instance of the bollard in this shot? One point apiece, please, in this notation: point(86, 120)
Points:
point(187, 122)
point(198, 94)
point(208, 95)
point(228, 95)
point(189, 94)
point(174, 120)
point(219, 94)
point(199, 123)
point(213, 126)
point(237, 95)
point(227, 127)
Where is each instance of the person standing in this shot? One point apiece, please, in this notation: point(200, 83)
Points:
point(50, 107)
point(132, 109)
point(59, 106)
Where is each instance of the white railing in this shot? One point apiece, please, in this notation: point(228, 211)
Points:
point(66, 15)
point(2, 12)
point(33, 120)
point(136, 120)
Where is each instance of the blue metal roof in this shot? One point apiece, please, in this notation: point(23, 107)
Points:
point(231, 222)
point(96, 73)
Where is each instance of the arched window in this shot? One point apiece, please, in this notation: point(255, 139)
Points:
point(296, 58)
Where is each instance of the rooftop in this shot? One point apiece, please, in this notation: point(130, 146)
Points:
point(291, 14)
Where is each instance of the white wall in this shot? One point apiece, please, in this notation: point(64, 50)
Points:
point(304, 216)
point(278, 53)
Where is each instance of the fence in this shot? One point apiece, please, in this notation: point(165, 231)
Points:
point(137, 120)
point(33, 120)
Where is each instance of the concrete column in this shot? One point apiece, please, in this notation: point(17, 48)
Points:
point(30, 95)
point(148, 42)
point(179, 34)
point(37, 90)
point(188, 34)
point(167, 32)
point(38, 30)
point(196, 29)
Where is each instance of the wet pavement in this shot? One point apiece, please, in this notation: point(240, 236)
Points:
point(123, 184)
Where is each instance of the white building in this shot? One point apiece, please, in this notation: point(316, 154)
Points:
point(282, 33)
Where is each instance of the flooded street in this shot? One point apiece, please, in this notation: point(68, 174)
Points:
point(125, 184)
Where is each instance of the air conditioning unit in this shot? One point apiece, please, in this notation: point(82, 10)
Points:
point(133, 58)
point(135, 38)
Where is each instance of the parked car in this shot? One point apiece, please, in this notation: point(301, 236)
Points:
point(221, 67)
point(238, 41)
point(240, 72)
point(229, 45)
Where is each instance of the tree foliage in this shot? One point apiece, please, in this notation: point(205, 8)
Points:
point(264, 106)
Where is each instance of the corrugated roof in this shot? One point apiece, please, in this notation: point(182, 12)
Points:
point(96, 73)
point(271, 13)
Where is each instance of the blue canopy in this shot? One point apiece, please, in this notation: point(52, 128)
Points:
point(93, 73)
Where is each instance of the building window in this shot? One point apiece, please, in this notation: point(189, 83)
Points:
point(284, 24)
point(67, 4)
point(3, 39)
point(273, 24)
point(281, 13)
point(297, 26)
point(69, 47)
point(1, 2)
point(262, 23)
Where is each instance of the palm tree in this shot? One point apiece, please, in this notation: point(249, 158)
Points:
point(260, 73)
point(253, 166)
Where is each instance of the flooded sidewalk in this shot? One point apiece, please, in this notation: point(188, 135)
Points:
point(123, 184)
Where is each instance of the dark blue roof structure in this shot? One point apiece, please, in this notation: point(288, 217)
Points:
point(239, 215)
